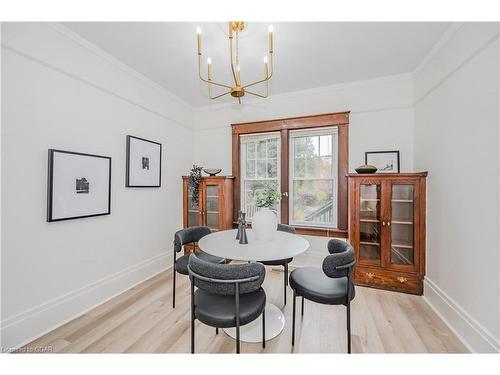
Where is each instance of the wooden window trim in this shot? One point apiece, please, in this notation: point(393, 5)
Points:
point(339, 119)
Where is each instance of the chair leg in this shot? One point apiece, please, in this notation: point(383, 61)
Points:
point(192, 316)
point(238, 338)
point(348, 327)
point(302, 311)
point(216, 330)
point(173, 291)
point(285, 273)
point(293, 318)
point(264, 328)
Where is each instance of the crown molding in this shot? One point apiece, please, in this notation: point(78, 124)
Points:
point(455, 26)
point(116, 62)
point(313, 91)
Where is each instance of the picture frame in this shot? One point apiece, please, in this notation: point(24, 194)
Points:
point(78, 185)
point(385, 161)
point(143, 163)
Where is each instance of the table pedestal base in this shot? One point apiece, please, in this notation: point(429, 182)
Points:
point(252, 332)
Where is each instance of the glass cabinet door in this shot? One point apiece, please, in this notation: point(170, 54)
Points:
point(193, 213)
point(212, 207)
point(402, 224)
point(369, 224)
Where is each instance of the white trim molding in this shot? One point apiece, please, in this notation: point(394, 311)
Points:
point(474, 336)
point(35, 322)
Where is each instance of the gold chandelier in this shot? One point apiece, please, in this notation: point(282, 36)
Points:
point(236, 89)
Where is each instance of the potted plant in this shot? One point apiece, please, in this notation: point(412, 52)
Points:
point(265, 220)
point(194, 183)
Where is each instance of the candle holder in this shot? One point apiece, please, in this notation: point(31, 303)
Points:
point(241, 234)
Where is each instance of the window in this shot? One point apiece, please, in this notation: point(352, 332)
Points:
point(313, 177)
point(260, 167)
point(307, 159)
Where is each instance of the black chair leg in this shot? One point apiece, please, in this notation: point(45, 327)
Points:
point(349, 327)
point(216, 330)
point(264, 328)
point(173, 291)
point(192, 317)
point(302, 311)
point(285, 273)
point(293, 319)
point(238, 339)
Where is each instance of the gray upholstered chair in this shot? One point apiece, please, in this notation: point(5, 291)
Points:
point(282, 262)
point(227, 295)
point(331, 285)
point(183, 237)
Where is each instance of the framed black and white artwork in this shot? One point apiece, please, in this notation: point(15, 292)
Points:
point(143, 163)
point(79, 185)
point(385, 161)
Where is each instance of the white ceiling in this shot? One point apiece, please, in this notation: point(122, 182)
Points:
point(306, 54)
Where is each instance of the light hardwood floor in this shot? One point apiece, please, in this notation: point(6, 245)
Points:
point(141, 320)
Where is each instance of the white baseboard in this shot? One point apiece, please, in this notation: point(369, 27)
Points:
point(35, 322)
point(474, 336)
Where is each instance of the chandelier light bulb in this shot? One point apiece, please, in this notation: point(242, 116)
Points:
point(209, 60)
point(198, 30)
point(271, 28)
point(265, 59)
point(238, 67)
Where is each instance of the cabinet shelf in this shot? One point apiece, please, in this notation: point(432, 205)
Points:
point(403, 222)
point(369, 243)
point(402, 200)
point(369, 200)
point(402, 245)
point(369, 221)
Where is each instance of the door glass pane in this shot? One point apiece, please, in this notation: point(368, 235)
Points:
point(212, 206)
point(213, 220)
point(193, 217)
point(253, 187)
point(313, 179)
point(402, 243)
point(313, 201)
point(260, 168)
point(369, 222)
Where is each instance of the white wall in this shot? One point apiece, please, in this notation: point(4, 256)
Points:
point(457, 140)
point(381, 118)
point(60, 92)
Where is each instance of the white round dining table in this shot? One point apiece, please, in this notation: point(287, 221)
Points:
point(284, 245)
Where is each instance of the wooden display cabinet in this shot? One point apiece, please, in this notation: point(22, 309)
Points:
point(215, 203)
point(387, 230)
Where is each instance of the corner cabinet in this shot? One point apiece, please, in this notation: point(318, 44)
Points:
point(215, 204)
point(387, 230)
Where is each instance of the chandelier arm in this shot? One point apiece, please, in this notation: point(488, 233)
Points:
point(220, 95)
point(267, 78)
point(206, 80)
point(255, 94)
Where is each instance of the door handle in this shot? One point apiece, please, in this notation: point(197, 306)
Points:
point(285, 193)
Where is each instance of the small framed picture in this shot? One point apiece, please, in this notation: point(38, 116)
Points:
point(385, 161)
point(79, 185)
point(143, 163)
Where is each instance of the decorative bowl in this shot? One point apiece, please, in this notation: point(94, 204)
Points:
point(366, 169)
point(212, 171)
